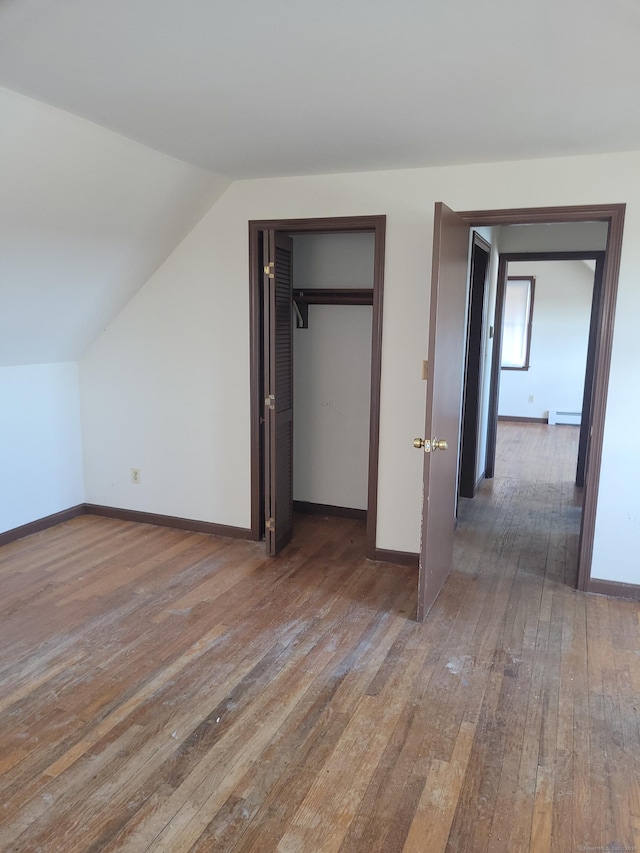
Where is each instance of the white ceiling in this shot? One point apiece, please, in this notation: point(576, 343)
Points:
point(247, 89)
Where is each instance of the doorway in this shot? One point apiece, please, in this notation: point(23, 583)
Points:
point(450, 278)
point(565, 317)
point(596, 307)
point(278, 309)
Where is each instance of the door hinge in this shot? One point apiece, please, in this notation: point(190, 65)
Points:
point(270, 524)
point(270, 402)
point(268, 270)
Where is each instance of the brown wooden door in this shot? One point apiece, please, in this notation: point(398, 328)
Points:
point(447, 332)
point(278, 385)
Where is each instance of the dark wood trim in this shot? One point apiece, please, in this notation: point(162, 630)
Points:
point(479, 241)
point(602, 366)
point(615, 588)
point(320, 225)
point(494, 372)
point(613, 214)
point(41, 524)
point(587, 396)
point(474, 365)
point(331, 225)
point(543, 215)
point(401, 558)
point(587, 255)
point(380, 226)
point(327, 509)
point(169, 521)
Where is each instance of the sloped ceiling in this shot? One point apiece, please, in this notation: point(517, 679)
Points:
point(85, 217)
point(253, 88)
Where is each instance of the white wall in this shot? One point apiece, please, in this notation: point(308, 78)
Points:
point(333, 260)
point(86, 216)
point(166, 387)
point(558, 237)
point(40, 442)
point(332, 373)
point(559, 338)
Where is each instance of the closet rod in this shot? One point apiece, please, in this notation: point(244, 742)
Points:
point(334, 296)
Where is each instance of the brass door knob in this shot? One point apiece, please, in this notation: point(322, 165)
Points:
point(434, 444)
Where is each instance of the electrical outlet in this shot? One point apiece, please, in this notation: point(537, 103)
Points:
point(531, 398)
point(135, 476)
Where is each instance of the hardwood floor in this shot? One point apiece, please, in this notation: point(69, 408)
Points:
point(172, 691)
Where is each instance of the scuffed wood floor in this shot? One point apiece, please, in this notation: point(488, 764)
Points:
point(171, 691)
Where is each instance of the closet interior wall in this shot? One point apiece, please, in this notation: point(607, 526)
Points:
point(332, 373)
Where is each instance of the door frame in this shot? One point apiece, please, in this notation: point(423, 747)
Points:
point(613, 215)
point(474, 370)
point(328, 225)
point(596, 307)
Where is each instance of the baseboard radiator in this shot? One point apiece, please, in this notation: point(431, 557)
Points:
point(558, 417)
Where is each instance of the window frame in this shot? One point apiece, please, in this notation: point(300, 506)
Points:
point(529, 326)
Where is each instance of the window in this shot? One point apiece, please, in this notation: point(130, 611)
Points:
point(516, 324)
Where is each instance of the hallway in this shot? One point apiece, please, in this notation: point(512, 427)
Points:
point(528, 517)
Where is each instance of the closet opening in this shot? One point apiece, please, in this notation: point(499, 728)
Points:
point(316, 329)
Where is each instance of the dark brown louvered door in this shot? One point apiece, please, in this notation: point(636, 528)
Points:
point(278, 259)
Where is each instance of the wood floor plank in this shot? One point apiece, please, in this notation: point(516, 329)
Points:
point(431, 826)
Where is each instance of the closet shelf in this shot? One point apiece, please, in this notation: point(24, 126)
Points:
point(327, 296)
point(334, 296)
